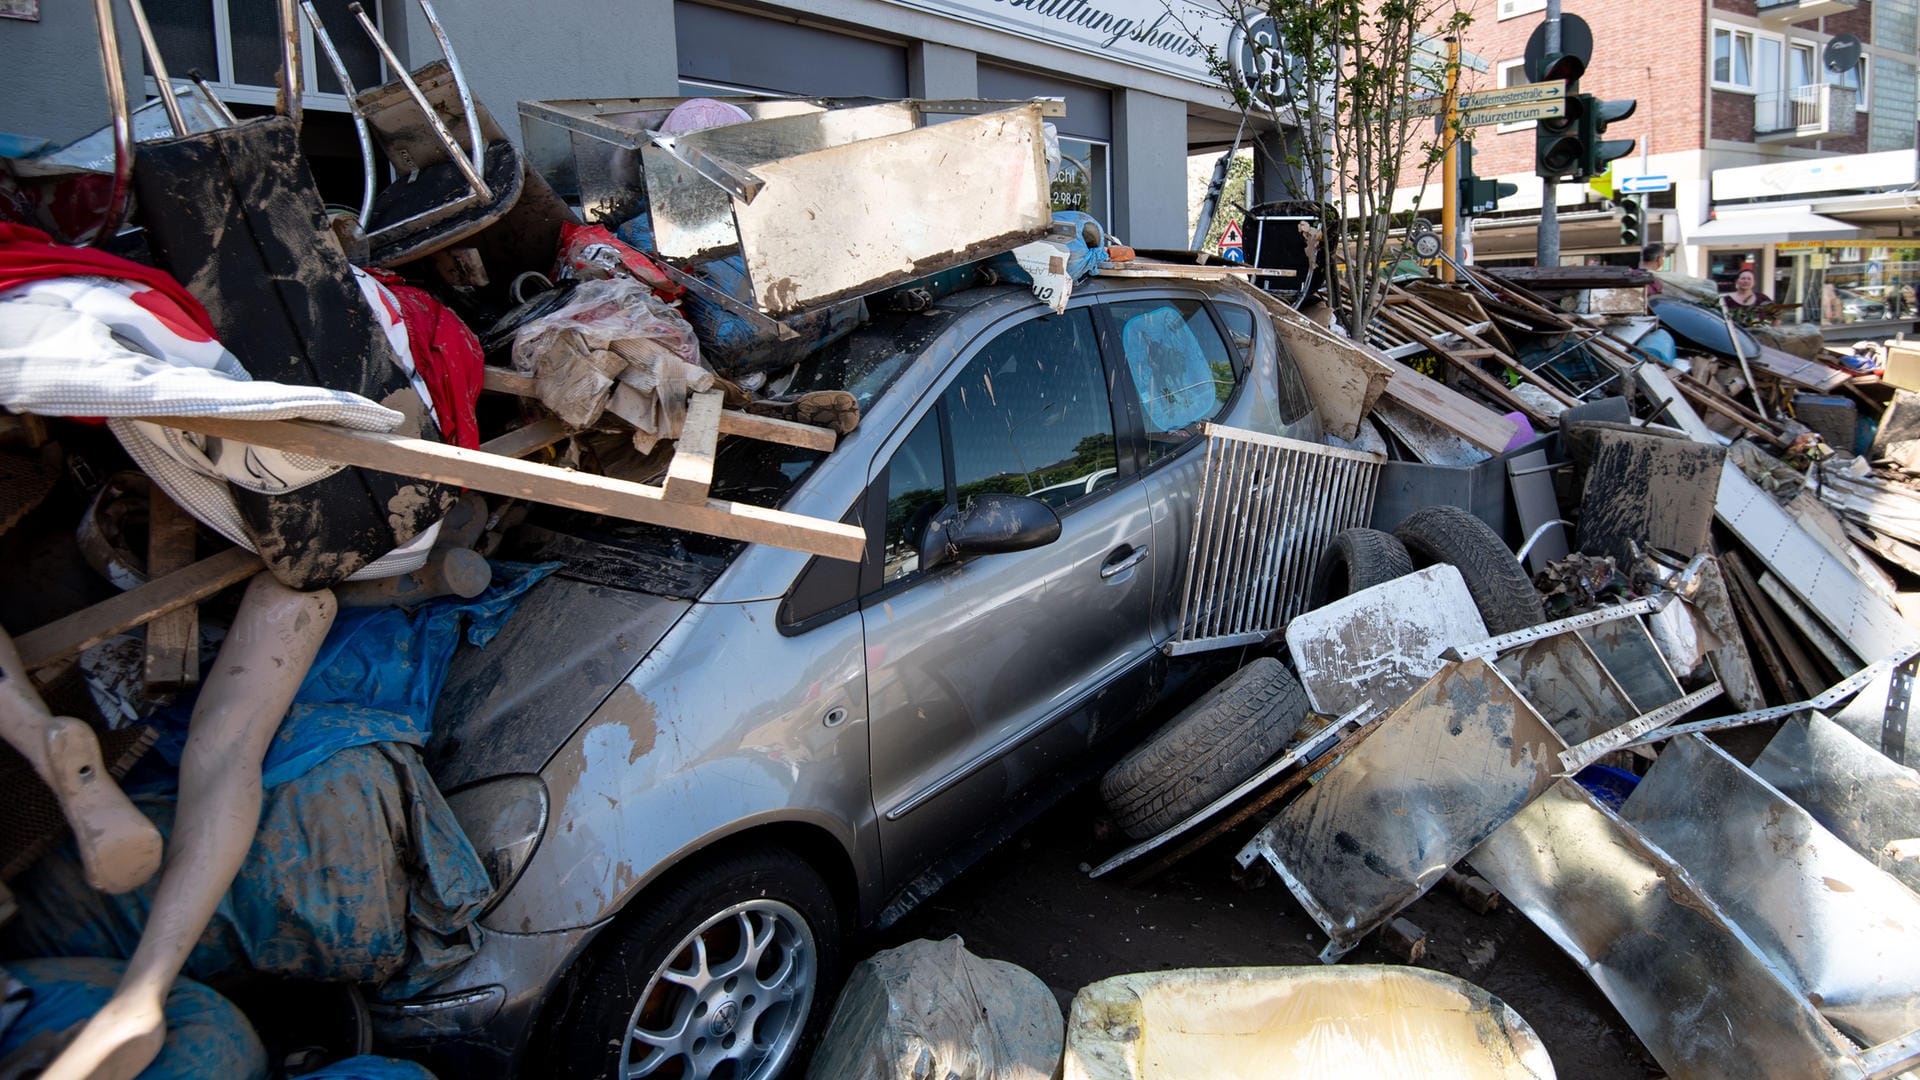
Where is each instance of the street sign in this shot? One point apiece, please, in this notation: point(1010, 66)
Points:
point(1640, 185)
point(1539, 110)
point(1230, 245)
point(1507, 96)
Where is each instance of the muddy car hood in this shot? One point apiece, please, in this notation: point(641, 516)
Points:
point(506, 708)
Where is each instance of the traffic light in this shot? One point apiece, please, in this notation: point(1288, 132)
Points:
point(1597, 152)
point(1631, 222)
point(1558, 152)
point(1477, 196)
point(1555, 67)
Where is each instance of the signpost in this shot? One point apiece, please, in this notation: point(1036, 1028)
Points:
point(1641, 185)
point(1539, 110)
point(1547, 94)
point(1230, 245)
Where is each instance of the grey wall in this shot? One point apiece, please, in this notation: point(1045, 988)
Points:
point(1149, 170)
point(936, 71)
point(50, 77)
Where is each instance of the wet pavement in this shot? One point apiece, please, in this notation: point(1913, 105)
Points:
point(1031, 903)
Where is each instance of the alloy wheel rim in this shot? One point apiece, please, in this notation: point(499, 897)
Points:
point(730, 1001)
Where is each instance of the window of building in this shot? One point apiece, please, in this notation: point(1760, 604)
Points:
point(1511, 73)
point(1732, 58)
point(1800, 69)
point(236, 44)
point(1855, 79)
point(1512, 8)
point(1084, 182)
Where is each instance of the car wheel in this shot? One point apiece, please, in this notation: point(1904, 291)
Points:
point(1200, 755)
point(726, 973)
point(1495, 579)
point(1359, 559)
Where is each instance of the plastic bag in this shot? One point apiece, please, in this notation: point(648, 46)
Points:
point(613, 346)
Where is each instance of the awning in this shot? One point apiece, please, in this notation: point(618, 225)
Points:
point(1769, 224)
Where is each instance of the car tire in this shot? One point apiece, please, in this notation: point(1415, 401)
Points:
point(1359, 559)
point(1199, 755)
point(1495, 579)
point(772, 934)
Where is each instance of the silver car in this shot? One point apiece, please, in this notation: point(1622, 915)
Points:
point(697, 768)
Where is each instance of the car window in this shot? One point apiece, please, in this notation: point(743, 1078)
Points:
point(1030, 414)
point(1239, 322)
point(916, 490)
point(1180, 366)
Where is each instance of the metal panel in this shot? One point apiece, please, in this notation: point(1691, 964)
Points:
point(1268, 508)
point(1568, 686)
point(1461, 757)
point(1842, 931)
point(838, 222)
point(1628, 651)
point(1382, 643)
point(1852, 789)
point(1703, 1003)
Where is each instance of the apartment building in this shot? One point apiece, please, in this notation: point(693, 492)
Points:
point(1803, 174)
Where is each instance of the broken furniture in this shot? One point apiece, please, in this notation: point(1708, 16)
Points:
point(1382, 643)
point(823, 203)
point(1254, 1023)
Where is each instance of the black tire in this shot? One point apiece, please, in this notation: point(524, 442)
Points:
point(606, 990)
point(1199, 755)
point(1359, 559)
point(1497, 582)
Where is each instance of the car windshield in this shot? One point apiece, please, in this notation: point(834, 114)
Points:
point(669, 562)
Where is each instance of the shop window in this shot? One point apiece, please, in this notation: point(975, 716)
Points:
point(236, 44)
point(1083, 183)
point(1876, 285)
point(1732, 58)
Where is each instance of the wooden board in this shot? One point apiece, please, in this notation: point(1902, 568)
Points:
point(1429, 442)
point(1649, 490)
point(172, 660)
point(1822, 639)
point(690, 473)
point(498, 475)
point(90, 626)
point(732, 421)
point(1343, 378)
point(1659, 387)
point(1450, 409)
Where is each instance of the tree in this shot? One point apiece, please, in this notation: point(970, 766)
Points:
point(1337, 79)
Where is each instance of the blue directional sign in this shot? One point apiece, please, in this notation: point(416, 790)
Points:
point(1640, 185)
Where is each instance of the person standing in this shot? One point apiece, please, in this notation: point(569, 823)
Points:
point(1743, 294)
point(1651, 257)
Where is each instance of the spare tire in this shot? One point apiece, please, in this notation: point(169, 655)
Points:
point(1201, 754)
point(1359, 559)
point(1498, 583)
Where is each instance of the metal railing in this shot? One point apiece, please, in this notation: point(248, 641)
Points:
point(1267, 510)
point(1815, 109)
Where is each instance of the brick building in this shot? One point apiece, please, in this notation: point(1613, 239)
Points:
point(1776, 162)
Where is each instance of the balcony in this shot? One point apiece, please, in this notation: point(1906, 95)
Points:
point(1793, 11)
point(1814, 111)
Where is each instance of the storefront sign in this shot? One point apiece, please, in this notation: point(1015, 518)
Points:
point(1894, 168)
point(1171, 37)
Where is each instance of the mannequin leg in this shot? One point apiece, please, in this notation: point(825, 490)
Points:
point(119, 847)
point(272, 644)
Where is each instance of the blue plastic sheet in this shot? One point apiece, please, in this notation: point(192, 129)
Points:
point(368, 1067)
point(359, 871)
point(207, 1036)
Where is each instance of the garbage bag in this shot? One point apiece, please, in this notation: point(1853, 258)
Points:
point(206, 1034)
point(932, 1009)
point(614, 333)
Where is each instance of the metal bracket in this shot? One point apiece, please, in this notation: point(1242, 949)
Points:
point(1646, 605)
point(736, 180)
point(1893, 724)
point(1575, 758)
point(1827, 698)
point(746, 311)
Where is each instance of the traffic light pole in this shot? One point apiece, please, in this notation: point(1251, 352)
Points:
point(1450, 166)
point(1547, 245)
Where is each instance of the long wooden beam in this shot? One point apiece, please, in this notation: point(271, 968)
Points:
point(499, 475)
point(90, 626)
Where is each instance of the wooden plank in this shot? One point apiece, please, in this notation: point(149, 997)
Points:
point(1755, 631)
point(522, 441)
point(1822, 639)
point(172, 660)
point(732, 421)
point(1473, 332)
point(1427, 441)
point(1488, 382)
point(1449, 408)
point(1807, 672)
point(90, 626)
point(541, 483)
point(1342, 377)
point(690, 473)
point(1660, 387)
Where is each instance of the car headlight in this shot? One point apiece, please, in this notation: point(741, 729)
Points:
point(504, 819)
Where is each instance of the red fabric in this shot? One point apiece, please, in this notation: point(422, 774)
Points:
point(590, 251)
point(27, 254)
point(447, 355)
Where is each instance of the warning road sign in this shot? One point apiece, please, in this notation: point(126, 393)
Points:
point(1230, 247)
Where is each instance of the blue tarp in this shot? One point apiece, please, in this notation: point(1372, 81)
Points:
point(360, 872)
point(206, 1034)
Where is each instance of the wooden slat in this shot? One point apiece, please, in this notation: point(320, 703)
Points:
point(541, 483)
point(1473, 334)
point(90, 626)
point(732, 421)
point(172, 659)
point(522, 441)
point(690, 473)
point(1450, 409)
point(1486, 381)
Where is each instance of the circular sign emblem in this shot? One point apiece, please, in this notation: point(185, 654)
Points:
point(1256, 62)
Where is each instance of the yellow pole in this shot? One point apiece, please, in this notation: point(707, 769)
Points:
point(1450, 168)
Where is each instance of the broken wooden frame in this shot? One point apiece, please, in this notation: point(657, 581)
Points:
point(1267, 509)
point(681, 504)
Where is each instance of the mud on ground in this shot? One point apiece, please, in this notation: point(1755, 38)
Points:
point(1031, 903)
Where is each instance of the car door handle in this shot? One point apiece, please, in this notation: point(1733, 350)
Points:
point(1122, 560)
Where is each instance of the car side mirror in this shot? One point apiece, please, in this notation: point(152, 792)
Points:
point(992, 525)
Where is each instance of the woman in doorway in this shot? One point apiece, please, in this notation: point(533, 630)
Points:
point(1743, 294)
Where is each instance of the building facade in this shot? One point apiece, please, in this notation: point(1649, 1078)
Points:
point(1139, 95)
point(1775, 162)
